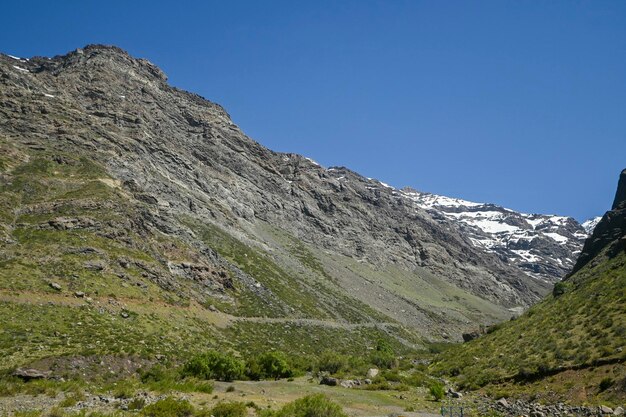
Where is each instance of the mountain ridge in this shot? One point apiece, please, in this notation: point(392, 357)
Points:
point(175, 169)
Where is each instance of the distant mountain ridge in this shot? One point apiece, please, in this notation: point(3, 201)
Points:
point(543, 246)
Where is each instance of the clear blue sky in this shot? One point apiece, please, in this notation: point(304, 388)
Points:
point(518, 103)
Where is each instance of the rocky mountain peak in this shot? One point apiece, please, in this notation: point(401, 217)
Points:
point(97, 59)
point(620, 194)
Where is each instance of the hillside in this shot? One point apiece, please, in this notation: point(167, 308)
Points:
point(137, 219)
point(571, 341)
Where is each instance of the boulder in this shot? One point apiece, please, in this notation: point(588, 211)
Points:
point(502, 403)
point(348, 383)
point(55, 286)
point(330, 381)
point(606, 410)
point(372, 373)
point(454, 394)
point(471, 336)
point(619, 411)
point(29, 373)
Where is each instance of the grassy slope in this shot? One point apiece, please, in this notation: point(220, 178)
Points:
point(584, 327)
point(167, 314)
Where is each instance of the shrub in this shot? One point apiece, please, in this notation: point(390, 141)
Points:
point(231, 409)
point(310, 406)
point(155, 374)
point(136, 404)
point(72, 399)
point(383, 360)
point(559, 289)
point(275, 365)
point(606, 383)
point(253, 369)
point(168, 407)
point(436, 390)
point(215, 365)
point(331, 362)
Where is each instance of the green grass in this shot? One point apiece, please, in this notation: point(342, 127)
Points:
point(581, 327)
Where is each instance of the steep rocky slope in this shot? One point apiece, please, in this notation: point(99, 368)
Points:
point(579, 329)
point(135, 197)
point(542, 246)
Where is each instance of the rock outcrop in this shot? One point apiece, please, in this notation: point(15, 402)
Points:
point(610, 230)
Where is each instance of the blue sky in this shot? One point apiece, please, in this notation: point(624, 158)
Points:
point(518, 103)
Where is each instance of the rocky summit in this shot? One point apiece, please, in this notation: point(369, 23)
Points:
point(96, 142)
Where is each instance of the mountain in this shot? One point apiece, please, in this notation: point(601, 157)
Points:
point(570, 346)
point(542, 246)
point(591, 224)
point(140, 213)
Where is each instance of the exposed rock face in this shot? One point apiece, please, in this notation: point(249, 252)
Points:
point(542, 246)
point(28, 374)
point(179, 158)
point(610, 231)
point(620, 194)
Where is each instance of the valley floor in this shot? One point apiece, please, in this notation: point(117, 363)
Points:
point(273, 394)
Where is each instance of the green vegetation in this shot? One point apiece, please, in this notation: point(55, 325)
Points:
point(309, 406)
point(582, 326)
point(168, 407)
point(229, 409)
point(215, 365)
point(437, 391)
point(269, 365)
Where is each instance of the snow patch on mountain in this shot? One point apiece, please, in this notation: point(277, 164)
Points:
point(591, 224)
point(543, 246)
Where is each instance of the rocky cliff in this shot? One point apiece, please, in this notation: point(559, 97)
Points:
point(610, 232)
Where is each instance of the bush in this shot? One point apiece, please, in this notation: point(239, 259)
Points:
point(231, 409)
point(253, 370)
point(383, 360)
point(215, 365)
point(310, 406)
point(331, 362)
point(606, 383)
point(136, 404)
point(436, 390)
point(274, 365)
point(559, 289)
point(168, 407)
point(384, 356)
point(155, 374)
